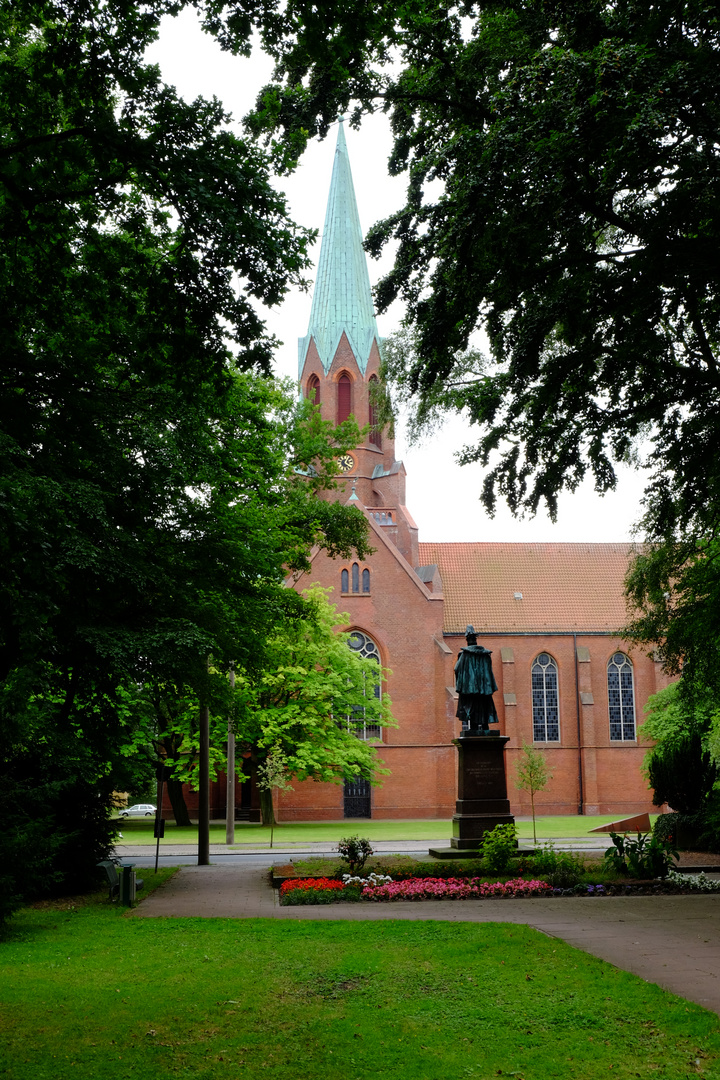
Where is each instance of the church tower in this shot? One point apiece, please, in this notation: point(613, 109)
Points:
point(339, 362)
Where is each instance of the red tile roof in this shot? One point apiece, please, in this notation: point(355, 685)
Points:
point(565, 587)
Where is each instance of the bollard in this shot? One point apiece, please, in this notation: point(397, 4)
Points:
point(127, 886)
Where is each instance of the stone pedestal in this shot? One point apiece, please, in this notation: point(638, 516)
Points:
point(482, 801)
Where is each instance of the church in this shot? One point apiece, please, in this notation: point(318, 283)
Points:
point(549, 612)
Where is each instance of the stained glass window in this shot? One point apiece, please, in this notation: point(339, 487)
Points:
point(344, 581)
point(545, 706)
point(365, 646)
point(621, 698)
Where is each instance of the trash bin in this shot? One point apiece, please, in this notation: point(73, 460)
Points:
point(127, 885)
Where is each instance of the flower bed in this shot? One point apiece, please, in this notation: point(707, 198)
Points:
point(454, 889)
point(382, 888)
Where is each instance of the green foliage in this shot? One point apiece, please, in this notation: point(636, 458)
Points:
point(532, 775)
point(563, 869)
point(310, 699)
point(674, 589)
point(679, 766)
point(54, 801)
point(499, 847)
point(272, 774)
point(646, 857)
point(155, 487)
point(562, 189)
point(355, 851)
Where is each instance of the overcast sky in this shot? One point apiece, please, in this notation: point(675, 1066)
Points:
point(441, 496)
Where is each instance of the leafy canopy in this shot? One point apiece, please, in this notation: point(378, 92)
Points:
point(680, 766)
point(156, 486)
point(563, 189)
point(311, 700)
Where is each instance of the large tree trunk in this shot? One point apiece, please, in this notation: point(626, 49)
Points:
point(177, 800)
point(266, 807)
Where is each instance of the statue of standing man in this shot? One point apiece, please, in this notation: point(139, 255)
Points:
point(475, 684)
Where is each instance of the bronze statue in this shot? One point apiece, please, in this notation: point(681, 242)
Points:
point(475, 684)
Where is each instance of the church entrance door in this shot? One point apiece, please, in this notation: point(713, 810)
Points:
point(357, 798)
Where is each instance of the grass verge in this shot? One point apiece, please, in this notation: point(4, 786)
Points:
point(87, 992)
point(139, 831)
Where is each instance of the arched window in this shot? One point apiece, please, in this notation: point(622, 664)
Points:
point(365, 646)
point(313, 389)
point(355, 578)
point(344, 398)
point(546, 715)
point(621, 698)
point(375, 432)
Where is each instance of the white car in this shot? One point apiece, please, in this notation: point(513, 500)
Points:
point(140, 809)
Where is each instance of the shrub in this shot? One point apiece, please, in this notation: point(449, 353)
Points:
point(354, 850)
point(563, 868)
point(646, 857)
point(499, 847)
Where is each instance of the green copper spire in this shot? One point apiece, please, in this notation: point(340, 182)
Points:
point(342, 299)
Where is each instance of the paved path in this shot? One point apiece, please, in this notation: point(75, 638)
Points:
point(670, 940)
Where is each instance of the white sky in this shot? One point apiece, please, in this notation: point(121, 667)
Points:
point(442, 497)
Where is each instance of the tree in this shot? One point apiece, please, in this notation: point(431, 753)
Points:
point(310, 704)
point(674, 594)
point(155, 487)
point(563, 191)
point(679, 766)
point(272, 775)
point(532, 775)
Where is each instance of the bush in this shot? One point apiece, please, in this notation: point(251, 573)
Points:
point(499, 847)
point(563, 869)
point(691, 832)
point(646, 857)
point(354, 850)
point(55, 823)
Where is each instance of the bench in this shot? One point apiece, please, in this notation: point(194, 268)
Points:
point(113, 878)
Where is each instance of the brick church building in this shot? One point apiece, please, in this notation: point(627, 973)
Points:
point(549, 612)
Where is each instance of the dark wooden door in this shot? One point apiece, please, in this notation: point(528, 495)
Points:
point(357, 798)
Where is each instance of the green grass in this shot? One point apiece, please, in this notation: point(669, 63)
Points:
point(88, 993)
point(139, 831)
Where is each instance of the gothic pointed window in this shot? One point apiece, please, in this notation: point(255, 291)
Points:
point(355, 577)
point(344, 398)
point(621, 698)
point(366, 581)
point(375, 432)
point(313, 389)
point(344, 581)
point(546, 714)
point(365, 646)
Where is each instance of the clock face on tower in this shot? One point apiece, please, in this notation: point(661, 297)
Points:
point(346, 463)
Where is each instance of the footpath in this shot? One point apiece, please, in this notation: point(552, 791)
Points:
point(673, 941)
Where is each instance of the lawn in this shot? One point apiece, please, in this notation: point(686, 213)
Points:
point(302, 833)
point(87, 992)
